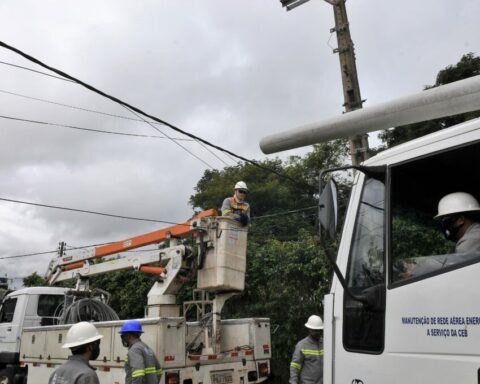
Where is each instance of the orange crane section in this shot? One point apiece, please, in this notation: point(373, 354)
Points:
point(177, 230)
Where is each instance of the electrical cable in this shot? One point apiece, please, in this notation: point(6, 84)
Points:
point(89, 129)
point(102, 131)
point(87, 309)
point(86, 211)
point(133, 108)
point(71, 106)
point(163, 133)
point(34, 70)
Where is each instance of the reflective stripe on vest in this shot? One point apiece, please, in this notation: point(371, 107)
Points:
point(312, 352)
point(295, 365)
point(138, 372)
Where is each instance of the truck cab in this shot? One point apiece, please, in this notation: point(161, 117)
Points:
point(421, 321)
point(27, 307)
point(404, 305)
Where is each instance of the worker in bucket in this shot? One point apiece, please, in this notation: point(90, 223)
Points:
point(83, 340)
point(141, 364)
point(236, 207)
point(306, 366)
point(459, 215)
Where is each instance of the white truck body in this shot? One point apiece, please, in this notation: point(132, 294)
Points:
point(403, 307)
point(35, 351)
point(246, 343)
point(209, 351)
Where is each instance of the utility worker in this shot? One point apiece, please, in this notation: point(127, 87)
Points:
point(459, 214)
point(236, 207)
point(141, 365)
point(307, 360)
point(83, 340)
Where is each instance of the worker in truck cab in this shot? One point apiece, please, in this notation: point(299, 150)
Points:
point(306, 366)
point(236, 207)
point(459, 215)
point(141, 364)
point(83, 340)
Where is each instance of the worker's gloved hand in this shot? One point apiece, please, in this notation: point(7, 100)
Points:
point(243, 219)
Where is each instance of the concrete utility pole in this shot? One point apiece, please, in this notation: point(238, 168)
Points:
point(351, 88)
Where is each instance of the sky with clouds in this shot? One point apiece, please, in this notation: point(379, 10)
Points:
point(228, 71)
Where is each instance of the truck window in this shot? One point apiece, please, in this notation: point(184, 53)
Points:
point(49, 307)
point(8, 310)
point(418, 247)
point(363, 329)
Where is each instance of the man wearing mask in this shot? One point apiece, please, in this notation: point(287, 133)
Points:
point(141, 365)
point(459, 215)
point(306, 366)
point(83, 340)
point(236, 207)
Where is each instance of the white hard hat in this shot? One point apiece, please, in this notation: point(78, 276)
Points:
point(80, 334)
point(456, 203)
point(314, 322)
point(241, 185)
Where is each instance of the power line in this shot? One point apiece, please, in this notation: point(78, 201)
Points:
point(96, 245)
point(86, 211)
point(89, 129)
point(71, 106)
point(33, 70)
point(163, 133)
point(285, 212)
point(121, 102)
point(111, 115)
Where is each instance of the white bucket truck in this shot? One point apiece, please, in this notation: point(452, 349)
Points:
point(207, 350)
point(403, 307)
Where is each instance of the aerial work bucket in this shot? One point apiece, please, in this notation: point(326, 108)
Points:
point(225, 258)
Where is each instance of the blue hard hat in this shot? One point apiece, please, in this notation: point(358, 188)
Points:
point(133, 326)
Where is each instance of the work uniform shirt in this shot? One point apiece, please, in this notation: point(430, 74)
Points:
point(470, 241)
point(306, 366)
point(75, 370)
point(141, 365)
point(233, 208)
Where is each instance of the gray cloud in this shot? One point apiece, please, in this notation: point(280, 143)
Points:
point(230, 72)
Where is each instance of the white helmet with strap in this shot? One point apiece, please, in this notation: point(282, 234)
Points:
point(314, 322)
point(80, 334)
point(241, 185)
point(456, 203)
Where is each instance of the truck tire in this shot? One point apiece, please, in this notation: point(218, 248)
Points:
point(20, 378)
point(6, 376)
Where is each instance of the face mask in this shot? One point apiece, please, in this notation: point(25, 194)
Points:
point(124, 340)
point(95, 351)
point(448, 227)
point(316, 335)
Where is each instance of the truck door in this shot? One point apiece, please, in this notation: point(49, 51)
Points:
point(432, 323)
point(8, 326)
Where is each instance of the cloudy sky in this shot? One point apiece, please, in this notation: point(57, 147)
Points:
point(228, 71)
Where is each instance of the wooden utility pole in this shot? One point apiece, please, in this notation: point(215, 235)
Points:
point(351, 88)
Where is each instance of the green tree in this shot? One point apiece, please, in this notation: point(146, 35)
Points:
point(469, 65)
point(287, 273)
point(34, 280)
point(129, 291)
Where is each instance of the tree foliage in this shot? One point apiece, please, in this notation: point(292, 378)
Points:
point(34, 280)
point(469, 65)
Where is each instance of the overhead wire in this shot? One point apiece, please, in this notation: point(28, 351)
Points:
point(163, 133)
point(89, 129)
point(86, 211)
point(121, 102)
point(34, 70)
point(70, 248)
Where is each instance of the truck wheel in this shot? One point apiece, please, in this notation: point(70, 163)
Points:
point(6, 376)
point(19, 378)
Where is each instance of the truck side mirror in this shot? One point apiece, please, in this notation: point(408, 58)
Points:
point(328, 208)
